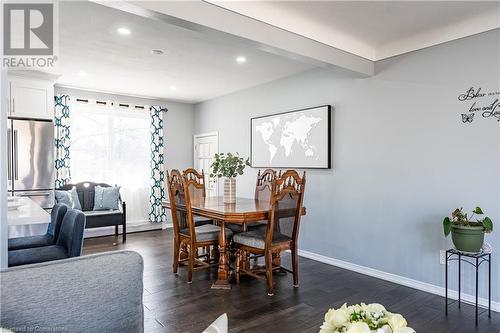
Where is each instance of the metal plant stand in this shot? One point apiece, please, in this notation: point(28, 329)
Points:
point(475, 260)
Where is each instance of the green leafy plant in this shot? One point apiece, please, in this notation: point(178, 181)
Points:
point(458, 217)
point(228, 165)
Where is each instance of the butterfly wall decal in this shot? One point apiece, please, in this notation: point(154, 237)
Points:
point(467, 117)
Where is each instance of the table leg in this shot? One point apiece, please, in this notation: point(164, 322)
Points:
point(223, 273)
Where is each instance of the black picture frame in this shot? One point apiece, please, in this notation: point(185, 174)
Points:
point(329, 138)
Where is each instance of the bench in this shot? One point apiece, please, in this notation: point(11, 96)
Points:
point(98, 218)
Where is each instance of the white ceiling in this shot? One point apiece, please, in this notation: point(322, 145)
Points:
point(374, 29)
point(199, 66)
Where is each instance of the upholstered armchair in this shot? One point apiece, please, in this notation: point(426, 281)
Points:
point(50, 238)
point(69, 243)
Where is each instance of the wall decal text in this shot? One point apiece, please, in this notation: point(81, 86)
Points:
point(477, 104)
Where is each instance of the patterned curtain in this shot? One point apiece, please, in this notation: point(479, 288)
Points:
point(62, 140)
point(157, 194)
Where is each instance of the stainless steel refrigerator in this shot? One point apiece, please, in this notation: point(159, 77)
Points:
point(31, 160)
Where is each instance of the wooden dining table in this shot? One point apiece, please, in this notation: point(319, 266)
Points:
point(244, 210)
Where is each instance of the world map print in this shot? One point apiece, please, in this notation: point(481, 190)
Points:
point(298, 138)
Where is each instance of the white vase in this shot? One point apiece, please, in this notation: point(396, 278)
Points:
point(229, 190)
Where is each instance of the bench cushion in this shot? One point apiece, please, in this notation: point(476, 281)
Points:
point(102, 212)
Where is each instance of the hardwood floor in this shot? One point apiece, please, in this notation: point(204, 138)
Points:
point(172, 305)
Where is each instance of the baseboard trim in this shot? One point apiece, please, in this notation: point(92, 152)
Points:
point(132, 226)
point(427, 287)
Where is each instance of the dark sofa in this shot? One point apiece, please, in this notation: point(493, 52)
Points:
point(98, 218)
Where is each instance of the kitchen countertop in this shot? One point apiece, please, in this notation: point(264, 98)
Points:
point(28, 213)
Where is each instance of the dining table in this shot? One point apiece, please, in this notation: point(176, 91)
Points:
point(244, 210)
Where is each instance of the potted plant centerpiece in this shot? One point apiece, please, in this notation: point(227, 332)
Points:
point(467, 235)
point(229, 166)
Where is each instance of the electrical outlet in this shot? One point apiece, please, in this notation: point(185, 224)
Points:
point(442, 257)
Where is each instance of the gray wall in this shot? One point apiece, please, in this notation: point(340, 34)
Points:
point(177, 126)
point(402, 159)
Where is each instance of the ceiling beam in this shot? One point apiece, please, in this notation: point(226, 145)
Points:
point(219, 22)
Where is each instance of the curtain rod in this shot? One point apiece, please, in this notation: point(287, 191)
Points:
point(154, 101)
point(110, 103)
point(115, 104)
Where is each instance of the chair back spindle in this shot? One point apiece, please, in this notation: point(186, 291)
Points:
point(263, 187)
point(195, 183)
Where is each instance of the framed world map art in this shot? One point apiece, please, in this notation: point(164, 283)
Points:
point(295, 139)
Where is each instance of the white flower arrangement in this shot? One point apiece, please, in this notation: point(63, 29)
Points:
point(363, 318)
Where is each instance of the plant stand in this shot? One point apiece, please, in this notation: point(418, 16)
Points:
point(476, 259)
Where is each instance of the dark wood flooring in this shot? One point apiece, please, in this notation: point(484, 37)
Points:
point(172, 305)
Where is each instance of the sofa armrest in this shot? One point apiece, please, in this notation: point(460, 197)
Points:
point(96, 293)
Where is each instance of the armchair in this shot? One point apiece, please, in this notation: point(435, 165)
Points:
point(69, 243)
point(50, 238)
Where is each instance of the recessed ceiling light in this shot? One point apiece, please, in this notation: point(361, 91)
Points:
point(82, 73)
point(157, 51)
point(173, 88)
point(241, 60)
point(123, 31)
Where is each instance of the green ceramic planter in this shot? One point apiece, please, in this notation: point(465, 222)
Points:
point(468, 239)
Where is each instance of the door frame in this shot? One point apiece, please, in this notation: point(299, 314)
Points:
point(203, 135)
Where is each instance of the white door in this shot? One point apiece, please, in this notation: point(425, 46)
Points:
point(205, 148)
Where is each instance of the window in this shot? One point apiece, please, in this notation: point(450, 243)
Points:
point(112, 146)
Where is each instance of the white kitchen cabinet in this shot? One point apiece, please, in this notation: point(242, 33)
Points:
point(31, 98)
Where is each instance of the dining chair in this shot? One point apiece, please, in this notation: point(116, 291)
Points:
point(262, 193)
point(69, 243)
point(196, 185)
point(263, 189)
point(56, 216)
point(281, 232)
point(187, 236)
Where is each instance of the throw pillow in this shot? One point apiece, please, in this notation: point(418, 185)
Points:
point(76, 200)
point(69, 198)
point(106, 197)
